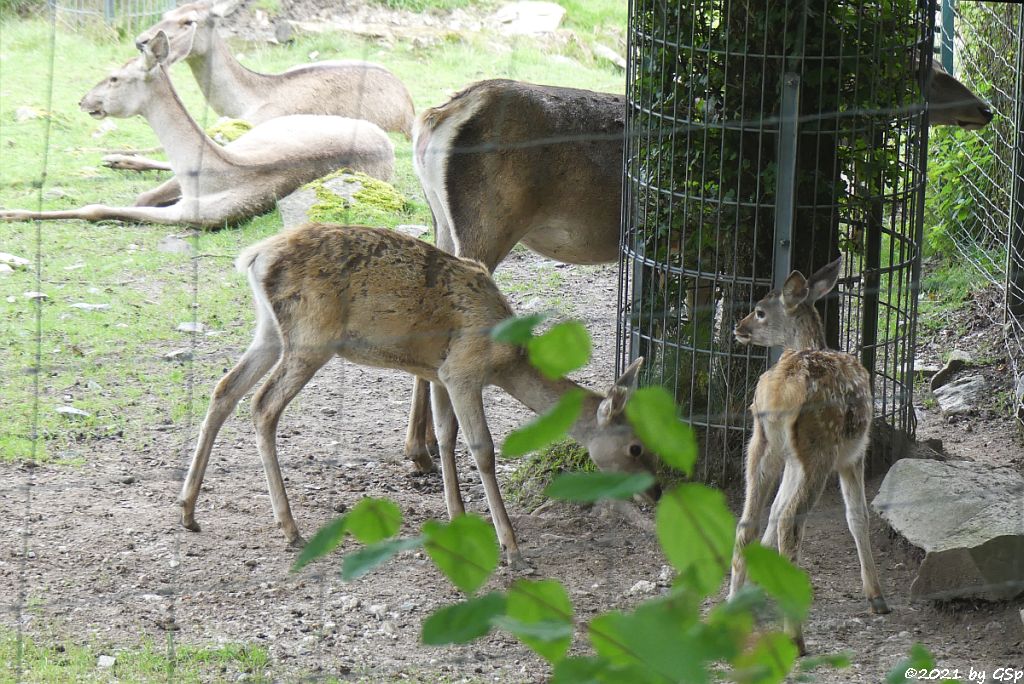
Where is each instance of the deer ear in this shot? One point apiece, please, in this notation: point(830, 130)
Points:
point(824, 279)
point(156, 50)
point(612, 405)
point(794, 290)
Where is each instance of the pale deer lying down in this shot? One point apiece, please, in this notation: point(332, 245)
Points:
point(556, 156)
point(351, 88)
point(215, 186)
point(812, 413)
point(384, 299)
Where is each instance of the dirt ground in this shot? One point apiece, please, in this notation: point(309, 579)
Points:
point(108, 564)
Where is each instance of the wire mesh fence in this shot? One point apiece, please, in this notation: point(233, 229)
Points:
point(128, 14)
point(974, 182)
point(761, 140)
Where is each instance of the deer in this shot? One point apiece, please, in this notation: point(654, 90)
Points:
point(348, 88)
point(214, 186)
point(811, 414)
point(380, 298)
point(556, 155)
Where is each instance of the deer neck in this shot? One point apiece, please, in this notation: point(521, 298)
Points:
point(808, 333)
point(229, 87)
point(540, 394)
point(188, 148)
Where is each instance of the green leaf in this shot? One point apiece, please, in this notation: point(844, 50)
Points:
point(360, 562)
point(372, 520)
point(783, 581)
point(595, 486)
point(833, 660)
point(540, 614)
point(653, 414)
point(465, 550)
point(591, 670)
point(656, 636)
point(563, 348)
point(462, 622)
point(919, 659)
point(322, 543)
point(517, 330)
point(768, 662)
point(696, 529)
point(547, 428)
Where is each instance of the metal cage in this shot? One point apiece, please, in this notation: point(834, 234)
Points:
point(763, 137)
point(130, 14)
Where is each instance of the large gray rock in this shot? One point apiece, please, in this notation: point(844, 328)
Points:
point(968, 518)
point(962, 395)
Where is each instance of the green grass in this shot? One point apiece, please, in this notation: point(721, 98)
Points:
point(60, 661)
point(945, 286)
point(525, 485)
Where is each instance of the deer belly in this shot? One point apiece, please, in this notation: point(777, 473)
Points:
point(576, 242)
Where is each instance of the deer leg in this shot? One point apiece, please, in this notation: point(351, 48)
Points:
point(799, 492)
point(762, 476)
point(447, 431)
point(254, 364)
point(130, 162)
point(851, 481)
point(291, 374)
point(162, 195)
point(469, 407)
point(99, 212)
point(416, 436)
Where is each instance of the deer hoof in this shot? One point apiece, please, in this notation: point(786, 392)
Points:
point(879, 606)
point(190, 524)
point(296, 542)
point(422, 462)
point(518, 564)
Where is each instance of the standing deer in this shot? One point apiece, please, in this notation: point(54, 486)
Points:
point(349, 88)
point(505, 162)
point(380, 298)
point(213, 185)
point(812, 412)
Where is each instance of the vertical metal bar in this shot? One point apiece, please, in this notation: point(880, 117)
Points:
point(108, 11)
point(948, 31)
point(871, 269)
point(1015, 236)
point(785, 188)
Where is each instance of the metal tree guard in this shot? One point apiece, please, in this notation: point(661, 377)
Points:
point(763, 137)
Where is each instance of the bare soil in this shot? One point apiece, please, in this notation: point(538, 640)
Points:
point(108, 564)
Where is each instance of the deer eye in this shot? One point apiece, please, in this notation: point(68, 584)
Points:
point(635, 450)
point(113, 79)
point(760, 314)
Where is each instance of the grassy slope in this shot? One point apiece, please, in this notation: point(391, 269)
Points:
point(109, 362)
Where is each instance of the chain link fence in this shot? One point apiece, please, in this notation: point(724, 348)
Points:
point(976, 178)
point(129, 14)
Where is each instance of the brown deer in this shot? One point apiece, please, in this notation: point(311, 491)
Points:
point(505, 162)
point(215, 186)
point(380, 298)
point(812, 412)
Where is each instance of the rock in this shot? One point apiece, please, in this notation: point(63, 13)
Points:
point(36, 295)
point(5, 269)
point(350, 603)
point(55, 193)
point(377, 610)
point(105, 662)
point(528, 17)
point(191, 327)
point(605, 52)
point(642, 587)
point(1020, 398)
point(284, 32)
point(178, 355)
point(967, 519)
point(331, 197)
point(412, 229)
point(90, 307)
point(72, 412)
point(226, 8)
point(958, 360)
point(962, 395)
point(104, 127)
point(14, 261)
point(925, 370)
point(172, 244)
point(22, 114)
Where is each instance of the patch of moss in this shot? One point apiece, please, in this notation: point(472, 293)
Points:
point(525, 486)
point(225, 130)
point(374, 202)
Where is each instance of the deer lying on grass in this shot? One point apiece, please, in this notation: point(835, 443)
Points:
point(812, 413)
point(215, 186)
point(383, 299)
point(556, 155)
point(352, 89)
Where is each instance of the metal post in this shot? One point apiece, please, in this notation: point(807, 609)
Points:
point(948, 32)
point(785, 188)
point(1015, 237)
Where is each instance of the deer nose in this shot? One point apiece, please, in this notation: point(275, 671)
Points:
point(987, 113)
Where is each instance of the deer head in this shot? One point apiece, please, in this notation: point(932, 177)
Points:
point(125, 92)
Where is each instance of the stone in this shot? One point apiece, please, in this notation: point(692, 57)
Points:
point(528, 17)
point(104, 127)
point(5, 269)
point(36, 295)
point(605, 52)
point(191, 327)
point(105, 662)
point(925, 370)
point(22, 114)
point(55, 193)
point(173, 244)
point(72, 412)
point(412, 229)
point(967, 519)
point(958, 360)
point(962, 395)
point(84, 306)
point(178, 355)
point(284, 32)
point(642, 587)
